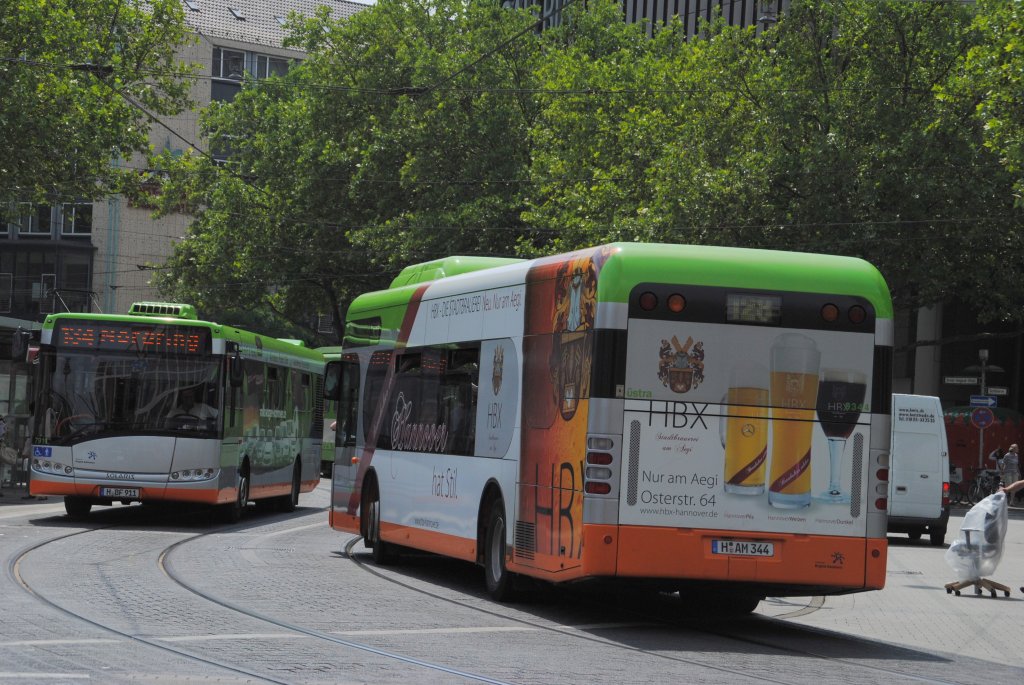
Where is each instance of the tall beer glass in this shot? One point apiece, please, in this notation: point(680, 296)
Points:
point(794, 391)
point(744, 429)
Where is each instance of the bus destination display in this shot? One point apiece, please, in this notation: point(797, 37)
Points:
point(126, 337)
point(748, 308)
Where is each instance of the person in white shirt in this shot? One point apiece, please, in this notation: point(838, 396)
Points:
point(190, 403)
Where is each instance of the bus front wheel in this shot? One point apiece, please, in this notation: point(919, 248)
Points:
point(77, 508)
point(232, 513)
point(383, 553)
point(500, 582)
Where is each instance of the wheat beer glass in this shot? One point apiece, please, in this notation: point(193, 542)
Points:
point(794, 391)
point(744, 429)
point(840, 400)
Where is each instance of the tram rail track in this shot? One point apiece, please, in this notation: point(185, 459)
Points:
point(166, 565)
point(813, 604)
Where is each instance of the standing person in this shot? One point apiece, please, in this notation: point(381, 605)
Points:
point(996, 455)
point(1010, 471)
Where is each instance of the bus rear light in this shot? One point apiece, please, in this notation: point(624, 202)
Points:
point(830, 313)
point(857, 314)
point(599, 472)
point(599, 458)
point(597, 488)
point(882, 474)
point(881, 503)
point(676, 303)
point(882, 488)
point(648, 301)
point(599, 443)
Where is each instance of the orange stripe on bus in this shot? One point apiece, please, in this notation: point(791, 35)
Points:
point(429, 541)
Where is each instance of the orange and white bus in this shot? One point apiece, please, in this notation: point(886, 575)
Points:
point(703, 418)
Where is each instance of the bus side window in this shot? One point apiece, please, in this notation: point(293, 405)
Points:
point(348, 404)
point(459, 393)
point(373, 402)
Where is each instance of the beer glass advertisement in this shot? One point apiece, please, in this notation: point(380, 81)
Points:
point(746, 428)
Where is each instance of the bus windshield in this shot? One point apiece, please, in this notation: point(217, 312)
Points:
point(90, 394)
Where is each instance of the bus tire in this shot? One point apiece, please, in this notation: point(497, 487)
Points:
point(232, 513)
point(289, 502)
point(500, 581)
point(77, 508)
point(383, 553)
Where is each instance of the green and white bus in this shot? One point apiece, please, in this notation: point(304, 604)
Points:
point(158, 406)
point(704, 419)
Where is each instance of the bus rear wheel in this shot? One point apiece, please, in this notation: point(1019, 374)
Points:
point(77, 508)
point(500, 582)
point(290, 501)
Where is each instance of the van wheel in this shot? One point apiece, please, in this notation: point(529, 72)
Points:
point(937, 537)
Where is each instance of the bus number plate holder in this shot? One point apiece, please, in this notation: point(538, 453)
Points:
point(120, 493)
point(743, 548)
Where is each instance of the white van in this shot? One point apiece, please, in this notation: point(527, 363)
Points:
point(918, 468)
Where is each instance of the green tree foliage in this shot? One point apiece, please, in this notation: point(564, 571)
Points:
point(995, 74)
point(74, 79)
point(401, 137)
point(822, 134)
point(423, 128)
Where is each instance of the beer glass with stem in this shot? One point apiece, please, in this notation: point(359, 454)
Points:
point(840, 401)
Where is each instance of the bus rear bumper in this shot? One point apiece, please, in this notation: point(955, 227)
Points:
point(826, 563)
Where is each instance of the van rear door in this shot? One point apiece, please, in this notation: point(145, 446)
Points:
point(917, 457)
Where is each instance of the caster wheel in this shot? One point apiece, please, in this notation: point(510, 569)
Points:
point(957, 593)
point(992, 593)
point(1006, 593)
point(949, 591)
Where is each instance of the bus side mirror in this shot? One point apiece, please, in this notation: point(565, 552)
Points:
point(236, 371)
point(332, 381)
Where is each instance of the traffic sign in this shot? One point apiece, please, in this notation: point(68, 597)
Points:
point(982, 417)
point(960, 380)
point(983, 401)
point(996, 390)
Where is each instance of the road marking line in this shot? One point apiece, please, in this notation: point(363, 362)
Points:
point(48, 643)
point(47, 676)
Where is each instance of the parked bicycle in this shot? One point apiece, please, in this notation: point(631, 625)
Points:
point(985, 483)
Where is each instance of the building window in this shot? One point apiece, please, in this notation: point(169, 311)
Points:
point(77, 218)
point(228, 72)
point(6, 293)
point(31, 219)
point(267, 66)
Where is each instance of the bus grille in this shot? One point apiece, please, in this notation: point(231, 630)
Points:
point(526, 539)
point(634, 462)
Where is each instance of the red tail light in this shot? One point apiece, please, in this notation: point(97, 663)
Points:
point(883, 474)
point(597, 488)
point(599, 458)
point(881, 503)
point(945, 494)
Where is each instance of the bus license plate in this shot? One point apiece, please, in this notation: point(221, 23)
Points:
point(743, 548)
point(120, 493)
